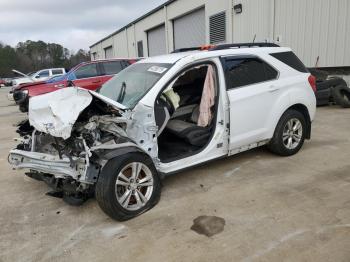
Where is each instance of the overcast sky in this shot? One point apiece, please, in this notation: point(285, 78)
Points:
point(73, 23)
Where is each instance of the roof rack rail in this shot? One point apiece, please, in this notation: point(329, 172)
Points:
point(242, 45)
point(224, 46)
point(187, 49)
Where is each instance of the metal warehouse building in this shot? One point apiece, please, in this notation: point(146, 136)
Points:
point(317, 30)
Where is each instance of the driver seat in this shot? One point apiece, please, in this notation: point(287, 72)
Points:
point(190, 131)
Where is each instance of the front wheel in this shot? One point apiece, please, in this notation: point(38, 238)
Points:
point(128, 186)
point(289, 135)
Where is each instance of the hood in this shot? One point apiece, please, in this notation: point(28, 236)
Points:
point(26, 85)
point(55, 113)
point(20, 73)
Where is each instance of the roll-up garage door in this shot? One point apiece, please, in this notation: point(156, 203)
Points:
point(109, 52)
point(189, 30)
point(156, 41)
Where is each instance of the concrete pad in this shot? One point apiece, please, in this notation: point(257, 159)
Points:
point(275, 208)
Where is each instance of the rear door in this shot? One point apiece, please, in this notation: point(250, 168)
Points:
point(251, 90)
point(87, 76)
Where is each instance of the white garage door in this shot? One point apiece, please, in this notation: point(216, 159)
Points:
point(189, 30)
point(109, 52)
point(156, 41)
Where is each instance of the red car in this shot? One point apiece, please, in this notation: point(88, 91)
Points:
point(90, 75)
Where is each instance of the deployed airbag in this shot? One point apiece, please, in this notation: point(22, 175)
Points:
point(55, 113)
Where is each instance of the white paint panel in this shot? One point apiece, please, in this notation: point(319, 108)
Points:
point(189, 30)
point(156, 41)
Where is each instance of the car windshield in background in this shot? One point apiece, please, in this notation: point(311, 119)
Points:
point(131, 84)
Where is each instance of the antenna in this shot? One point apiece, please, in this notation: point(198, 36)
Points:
point(254, 38)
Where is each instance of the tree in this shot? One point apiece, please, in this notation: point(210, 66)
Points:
point(31, 56)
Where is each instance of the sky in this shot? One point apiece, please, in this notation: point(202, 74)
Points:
point(74, 24)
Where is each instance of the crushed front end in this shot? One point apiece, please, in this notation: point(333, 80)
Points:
point(67, 147)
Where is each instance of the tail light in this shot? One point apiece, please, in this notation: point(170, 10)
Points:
point(132, 61)
point(312, 82)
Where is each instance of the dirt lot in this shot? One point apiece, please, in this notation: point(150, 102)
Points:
point(290, 209)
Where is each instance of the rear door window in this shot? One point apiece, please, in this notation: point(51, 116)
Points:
point(112, 67)
point(247, 71)
point(290, 59)
point(86, 71)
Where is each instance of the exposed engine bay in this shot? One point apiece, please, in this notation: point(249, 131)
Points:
point(69, 153)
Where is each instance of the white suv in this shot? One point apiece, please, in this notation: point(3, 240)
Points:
point(164, 114)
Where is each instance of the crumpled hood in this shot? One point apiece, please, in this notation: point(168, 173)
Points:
point(55, 113)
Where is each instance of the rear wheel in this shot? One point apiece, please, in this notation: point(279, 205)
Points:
point(289, 135)
point(128, 186)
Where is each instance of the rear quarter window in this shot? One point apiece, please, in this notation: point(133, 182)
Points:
point(112, 67)
point(290, 59)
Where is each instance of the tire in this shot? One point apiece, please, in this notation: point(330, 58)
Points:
point(323, 97)
point(111, 196)
point(341, 95)
point(281, 137)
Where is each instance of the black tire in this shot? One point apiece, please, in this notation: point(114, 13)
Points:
point(341, 95)
point(105, 191)
point(323, 97)
point(276, 144)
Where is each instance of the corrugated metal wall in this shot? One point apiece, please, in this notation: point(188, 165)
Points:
point(255, 19)
point(109, 52)
point(312, 28)
point(156, 41)
point(315, 28)
point(189, 30)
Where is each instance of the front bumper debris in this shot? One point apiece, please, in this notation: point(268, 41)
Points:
point(75, 167)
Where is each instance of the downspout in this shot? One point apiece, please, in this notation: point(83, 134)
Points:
point(166, 28)
point(127, 41)
point(272, 21)
point(230, 20)
point(135, 43)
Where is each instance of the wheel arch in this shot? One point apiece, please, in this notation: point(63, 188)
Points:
point(303, 110)
point(113, 153)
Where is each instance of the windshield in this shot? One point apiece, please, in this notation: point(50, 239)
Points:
point(131, 84)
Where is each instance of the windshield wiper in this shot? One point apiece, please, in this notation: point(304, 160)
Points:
point(122, 93)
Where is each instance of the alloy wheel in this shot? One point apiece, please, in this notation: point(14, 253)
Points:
point(292, 133)
point(134, 186)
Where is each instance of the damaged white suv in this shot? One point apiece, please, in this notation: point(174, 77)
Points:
point(161, 115)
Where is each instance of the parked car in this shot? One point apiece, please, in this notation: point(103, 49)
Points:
point(41, 75)
point(162, 115)
point(2, 82)
point(89, 75)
